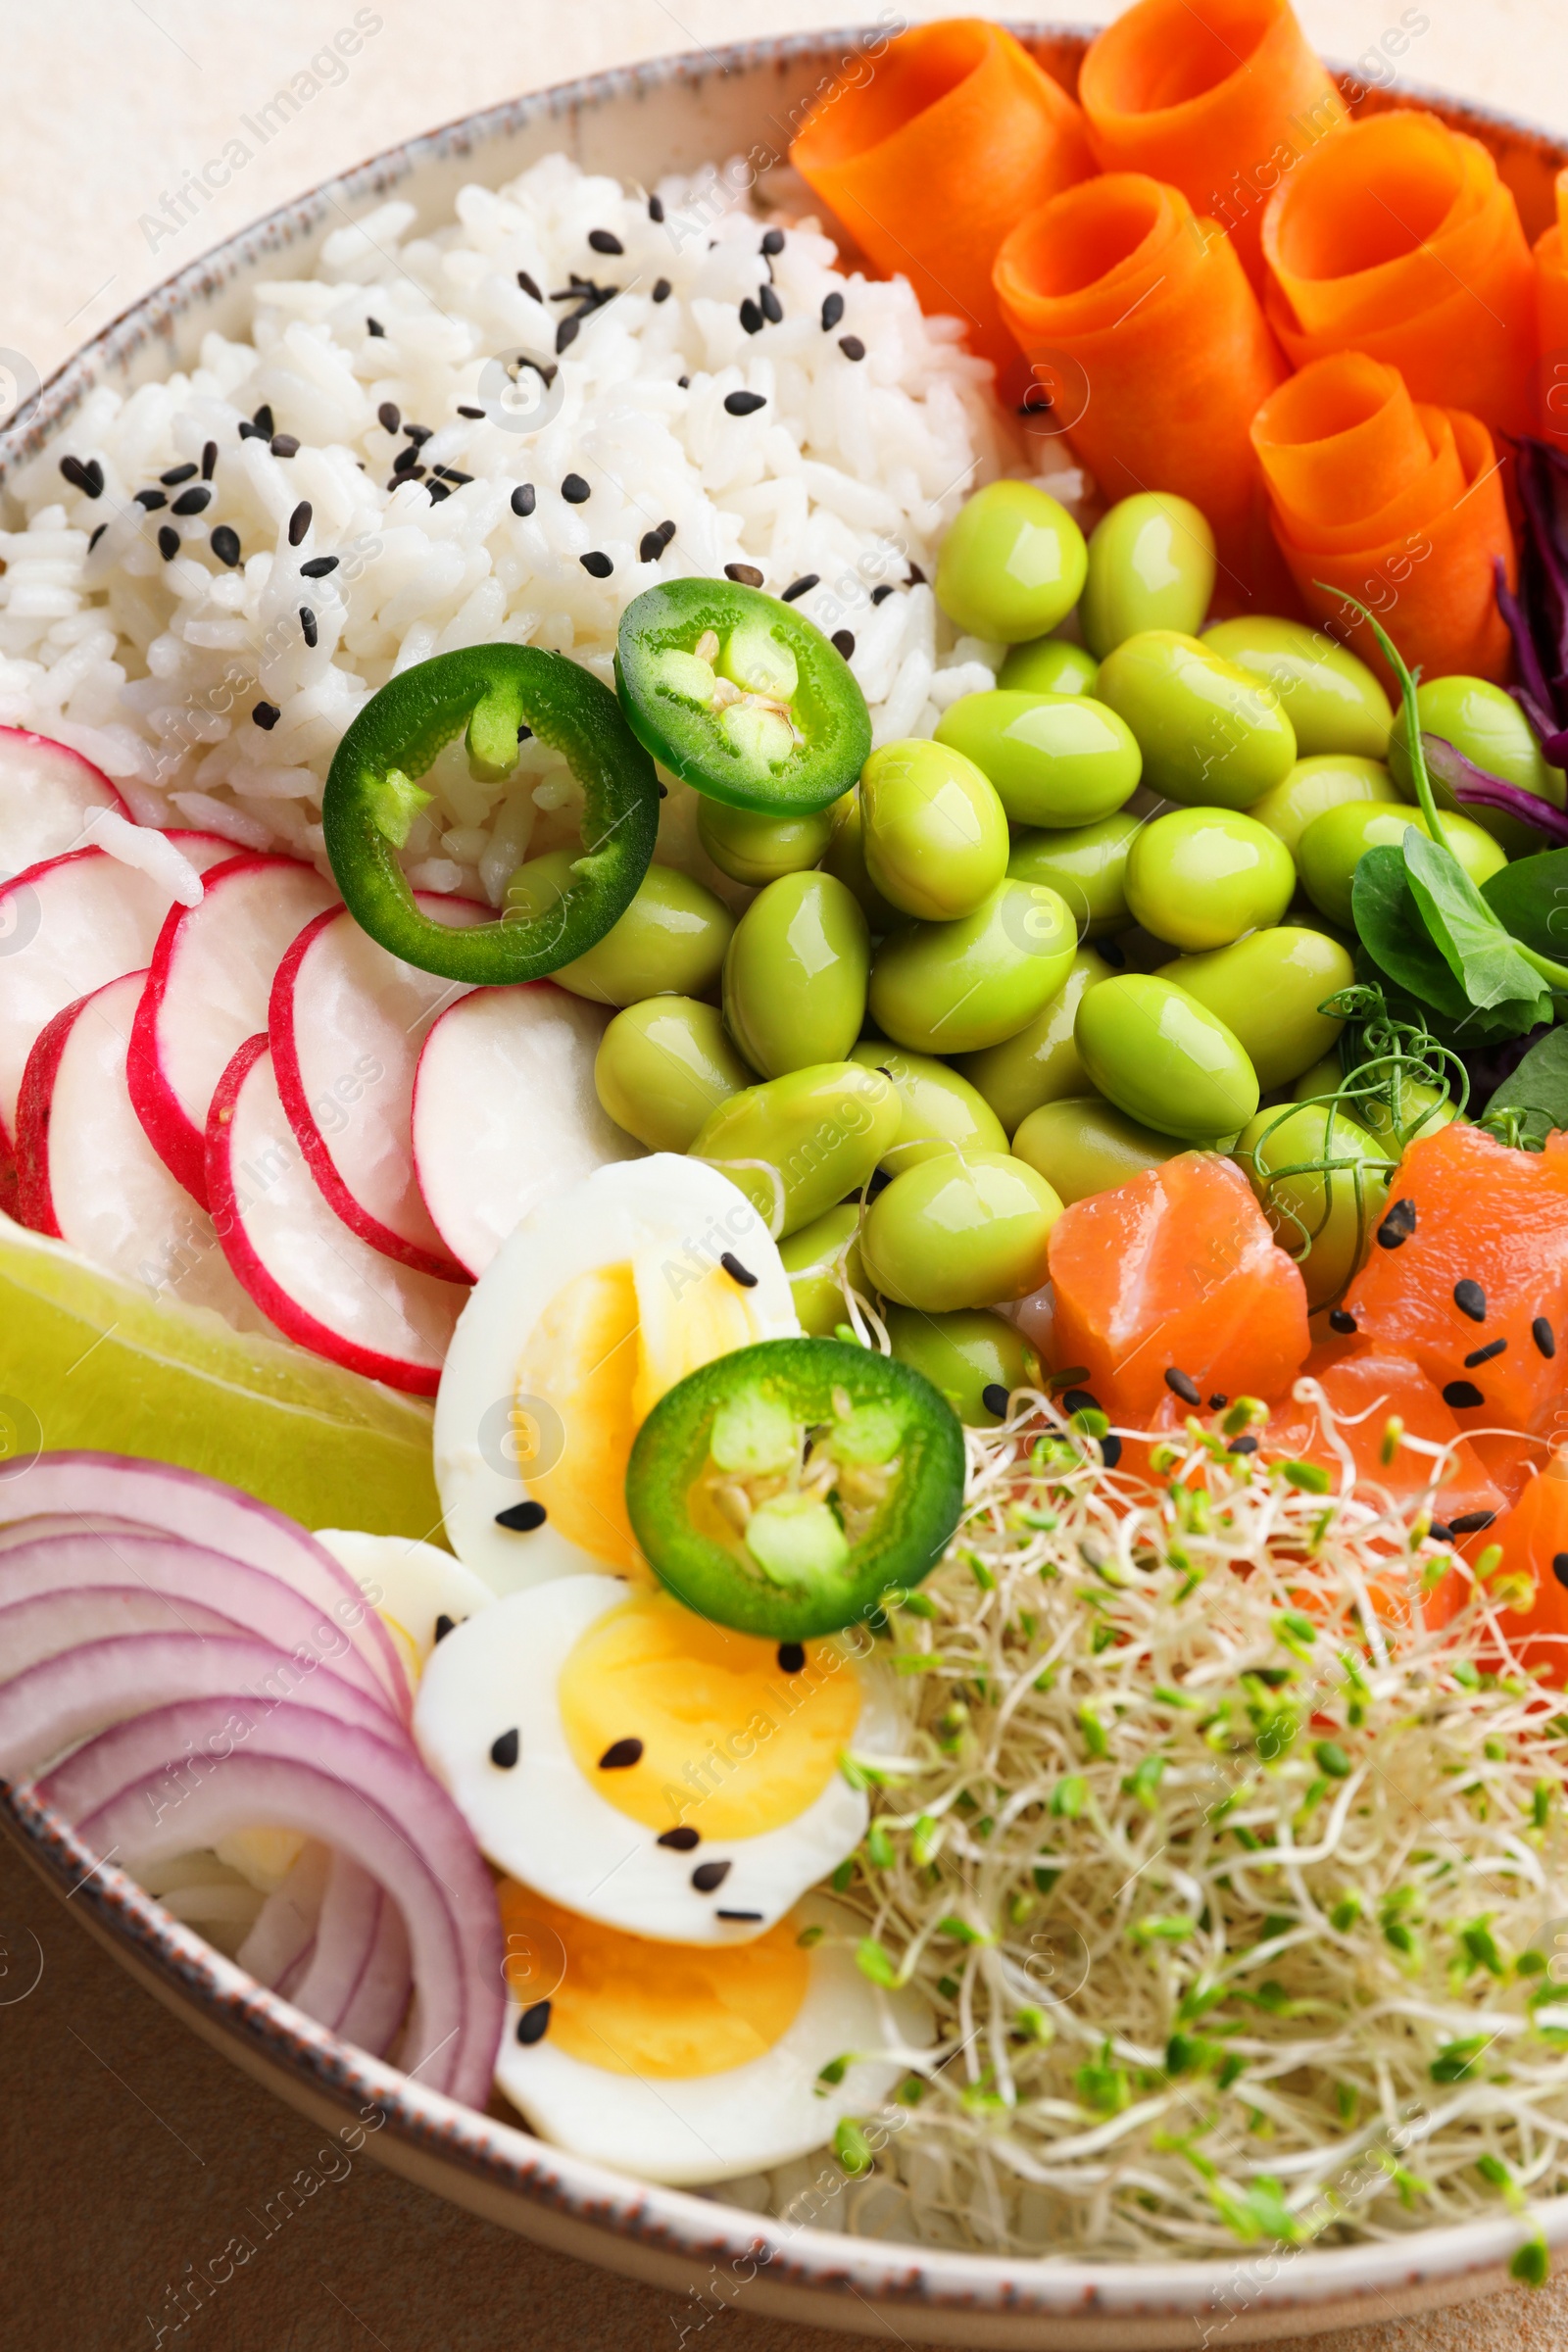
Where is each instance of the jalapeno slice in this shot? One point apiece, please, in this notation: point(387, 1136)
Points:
point(784, 1488)
point(741, 697)
point(490, 692)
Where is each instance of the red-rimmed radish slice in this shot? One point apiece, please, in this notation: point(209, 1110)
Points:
point(87, 1174)
point(285, 1924)
point(95, 1488)
point(505, 1114)
point(317, 1281)
point(66, 927)
point(346, 1024)
point(207, 991)
point(47, 794)
point(302, 1770)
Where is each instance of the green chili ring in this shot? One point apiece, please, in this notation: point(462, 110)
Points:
point(490, 692)
point(880, 1420)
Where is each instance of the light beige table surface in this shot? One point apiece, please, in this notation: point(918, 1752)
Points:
point(128, 2149)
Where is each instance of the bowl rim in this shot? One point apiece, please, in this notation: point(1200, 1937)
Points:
point(615, 2205)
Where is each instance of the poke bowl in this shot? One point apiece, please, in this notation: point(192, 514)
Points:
point(786, 1179)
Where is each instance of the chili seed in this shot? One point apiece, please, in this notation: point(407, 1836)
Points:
point(521, 1518)
point(169, 543)
point(445, 1625)
point(88, 477)
point(709, 1875)
point(682, 1840)
point(663, 289)
point(801, 587)
point(774, 242)
point(267, 716)
point(1342, 1319)
point(534, 2023)
point(843, 641)
point(1461, 1395)
point(737, 1272)
point(597, 564)
point(224, 544)
point(308, 627)
point(1544, 1336)
point(390, 416)
point(852, 347)
point(503, 1751)
point(746, 574)
point(1471, 1300)
point(522, 498)
point(769, 305)
point(574, 490)
point(299, 523)
point(832, 312)
point(1398, 1225)
point(1182, 1384)
point(530, 285)
point(744, 404)
point(209, 460)
point(620, 1755)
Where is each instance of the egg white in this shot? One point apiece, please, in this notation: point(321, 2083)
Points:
point(680, 1208)
point(542, 1822)
point(685, 2129)
point(411, 1585)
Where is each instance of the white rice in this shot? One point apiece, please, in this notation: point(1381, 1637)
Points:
point(851, 471)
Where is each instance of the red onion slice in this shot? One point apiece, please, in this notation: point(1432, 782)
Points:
point(349, 1936)
point(40, 1628)
point(380, 1999)
point(285, 1923)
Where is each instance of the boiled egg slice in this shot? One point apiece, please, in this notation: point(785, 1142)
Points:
point(419, 1591)
point(642, 1766)
point(600, 1300)
point(686, 2066)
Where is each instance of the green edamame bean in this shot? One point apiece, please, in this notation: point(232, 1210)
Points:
point(671, 941)
point(1325, 1077)
point(664, 1067)
point(1084, 1145)
point(1211, 734)
point(1199, 877)
point(1163, 1058)
point(846, 862)
point(1055, 759)
point(1416, 1109)
point(1267, 990)
point(956, 1232)
point(1328, 851)
point(1323, 1215)
point(963, 1354)
point(1326, 781)
point(1151, 566)
point(1041, 1063)
point(1050, 665)
point(1012, 565)
point(1487, 725)
point(952, 988)
point(819, 1260)
point(933, 833)
point(797, 1146)
point(795, 975)
point(1086, 865)
point(942, 1111)
point(1331, 699)
point(755, 849)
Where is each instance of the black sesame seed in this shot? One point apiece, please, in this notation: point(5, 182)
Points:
point(503, 1751)
point(751, 316)
point(737, 1915)
point(879, 596)
point(737, 1272)
point(191, 501)
point(224, 544)
point(178, 474)
point(266, 716)
point(530, 285)
point(621, 1756)
point(389, 416)
point(284, 445)
point(1342, 1319)
point(318, 567)
point(373, 326)
point(685, 382)
point(667, 532)
point(993, 1396)
point(852, 347)
point(1182, 1384)
point(406, 461)
point(450, 473)
point(522, 498)
point(1110, 1451)
point(709, 1875)
point(791, 1657)
point(1471, 1300)
point(656, 208)
point(1242, 1446)
point(1441, 1531)
point(663, 289)
point(209, 460)
point(1484, 1356)
point(152, 500)
point(744, 404)
point(1218, 1401)
point(534, 2023)
point(769, 305)
point(251, 433)
point(1080, 1400)
point(1544, 1336)
point(1398, 1225)
point(1559, 1566)
point(477, 413)
point(299, 523)
point(566, 334)
point(521, 1518)
point(264, 421)
point(843, 641)
point(1471, 1523)
point(419, 434)
point(169, 543)
point(832, 312)
point(774, 242)
point(650, 546)
point(605, 240)
point(97, 535)
point(681, 1841)
point(746, 574)
point(801, 587)
point(597, 564)
point(88, 477)
point(445, 1625)
point(916, 577)
point(1461, 1395)
point(574, 490)
point(308, 628)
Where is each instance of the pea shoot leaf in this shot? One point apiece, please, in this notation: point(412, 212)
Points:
point(1465, 931)
point(1529, 898)
point(1389, 925)
point(1539, 1088)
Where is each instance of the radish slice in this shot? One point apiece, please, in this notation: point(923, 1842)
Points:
point(207, 991)
point(320, 1283)
point(47, 794)
point(346, 1024)
point(303, 1771)
point(66, 927)
point(285, 1923)
point(47, 1623)
point(192, 1584)
point(505, 1114)
point(206, 1513)
point(88, 1176)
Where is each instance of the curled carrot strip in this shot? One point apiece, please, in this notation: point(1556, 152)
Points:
point(1397, 503)
point(1551, 321)
point(1139, 320)
point(1218, 97)
point(1400, 240)
point(931, 159)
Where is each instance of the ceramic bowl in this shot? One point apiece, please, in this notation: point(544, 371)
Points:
point(639, 123)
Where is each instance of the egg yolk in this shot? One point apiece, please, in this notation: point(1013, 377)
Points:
point(630, 2006)
point(726, 1740)
point(603, 1352)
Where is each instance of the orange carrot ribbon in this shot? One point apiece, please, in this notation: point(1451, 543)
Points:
point(1552, 322)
